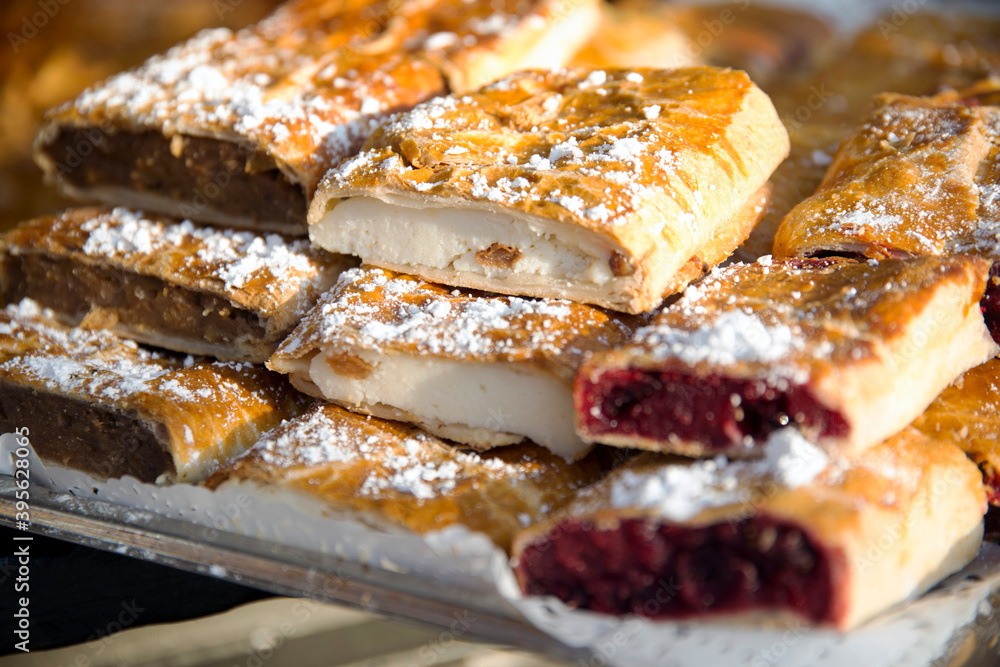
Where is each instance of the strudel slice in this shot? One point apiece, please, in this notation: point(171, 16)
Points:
point(479, 369)
point(101, 404)
point(614, 187)
point(393, 475)
point(238, 128)
point(764, 540)
point(847, 352)
point(918, 177)
point(968, 412)
point(175, 285)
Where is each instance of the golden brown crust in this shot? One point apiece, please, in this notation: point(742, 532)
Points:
point(273, 279)
point(917, 177)
point(875, 342)
point(202, 412)
point(650, 164)
point(921, 491)
point(374, 310)
point(968, 413)
point(388, 473)
point(302, 88)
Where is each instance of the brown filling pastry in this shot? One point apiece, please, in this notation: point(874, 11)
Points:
point(207, 174)
point(144, 305)
point(63, 429)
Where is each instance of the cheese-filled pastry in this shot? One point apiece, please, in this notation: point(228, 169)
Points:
point(228, 294)
point(847, 352)
point(392, 475)
point(779, 539)
point(237, 128)
point(613, 188)
point(104, 405)
point(918, 177)
point(479, 369)
point(968, 412)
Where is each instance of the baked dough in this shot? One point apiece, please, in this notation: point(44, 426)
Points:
point(175, 285)
point(476, 368)
point(847, 352)
point(237, 128)
point(775, 540)
point(612, 188)
point(968, 412)
point(918, 177)
point(395, 476)
point(102, 404)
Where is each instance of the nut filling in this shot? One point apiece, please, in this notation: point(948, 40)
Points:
point(201, 175)
point(94, 439)
point(141, 304)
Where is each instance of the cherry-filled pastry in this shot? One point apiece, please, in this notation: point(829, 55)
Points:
point(918, 177)
point(846, 352)
point(613, 188)
point(395, 476)
point(968, 412)
point(238, 128)
point(104, 405)
point(829, 543)
point(228, 294)
point(480, 369)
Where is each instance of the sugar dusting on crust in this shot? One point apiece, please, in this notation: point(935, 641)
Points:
point(232, 262)
point(916, 177)
point(679, 492)
point(98, 364)
point(372, 309)
point(554, 140)
point(395, 461)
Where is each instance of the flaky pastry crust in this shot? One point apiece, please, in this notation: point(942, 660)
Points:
point(212, 278)
point(860, 349)
point(644, 168)
point(393, 475)
point(859, 537)
point(182, 418)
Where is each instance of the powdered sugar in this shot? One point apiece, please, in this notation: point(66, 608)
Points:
point(732, 337)
point(679, 492)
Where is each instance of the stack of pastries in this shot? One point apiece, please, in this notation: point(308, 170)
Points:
point(473, 263)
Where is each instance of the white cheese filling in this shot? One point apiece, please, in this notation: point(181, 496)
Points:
point(399, 232)
point(458, 396)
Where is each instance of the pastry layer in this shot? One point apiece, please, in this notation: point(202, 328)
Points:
point(481, 369)
point(104, 405)
point(968, 412)
point(832, 543)
point(232, 295)
point(614, 188)
point(394, 475)
point(846, 352)
point(238, 128)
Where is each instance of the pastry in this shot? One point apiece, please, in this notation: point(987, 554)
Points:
point(968, 412)
point(847, 352)
point(395, 476)
point(612, 188)
point(237, 128)
point(476, 368)
point(638, 34)
point(782, 539)
point(918, 177)
point(101, 404)
point(175, 285)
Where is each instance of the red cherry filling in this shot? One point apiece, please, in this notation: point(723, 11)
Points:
point(990, 302)
point(675, 572)
point(717, 411)
point(992, 482)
